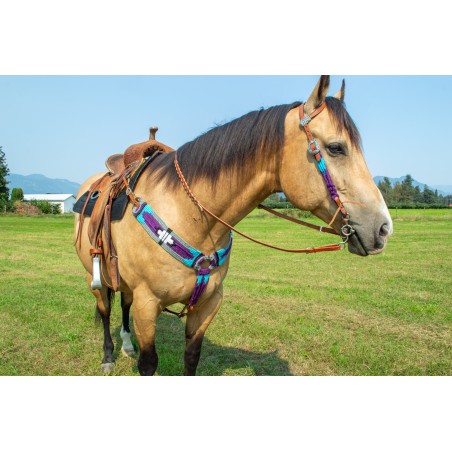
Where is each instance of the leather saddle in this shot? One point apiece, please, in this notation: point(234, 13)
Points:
point(116, 163)
point(99, 200)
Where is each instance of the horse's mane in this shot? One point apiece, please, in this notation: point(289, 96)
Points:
point(237, 145)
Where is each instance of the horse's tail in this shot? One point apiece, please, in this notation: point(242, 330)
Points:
point(110, 299)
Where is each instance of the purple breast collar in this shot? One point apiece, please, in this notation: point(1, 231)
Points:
point(179, 249)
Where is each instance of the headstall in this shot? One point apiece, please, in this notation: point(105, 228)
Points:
point(314, 150)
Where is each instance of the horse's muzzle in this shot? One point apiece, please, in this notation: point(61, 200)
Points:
point(364, 242)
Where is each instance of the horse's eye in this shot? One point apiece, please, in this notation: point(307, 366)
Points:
point(335, 149)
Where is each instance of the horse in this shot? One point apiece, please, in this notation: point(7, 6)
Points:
point(230, 169)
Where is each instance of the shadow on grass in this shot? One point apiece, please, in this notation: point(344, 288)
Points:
point(215, 359)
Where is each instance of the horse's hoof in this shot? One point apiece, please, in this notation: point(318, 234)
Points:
point(128, 352)
point(107, 368)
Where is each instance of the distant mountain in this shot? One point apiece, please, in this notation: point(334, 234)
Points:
point(442, 189)
point(37, 183)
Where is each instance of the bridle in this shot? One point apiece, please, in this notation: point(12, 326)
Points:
point(314, 150)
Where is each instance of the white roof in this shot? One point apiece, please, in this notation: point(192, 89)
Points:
point(48, 197)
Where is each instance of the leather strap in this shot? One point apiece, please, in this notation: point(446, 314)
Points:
point(312, 115)
point(92, 189)
point(317, 155)
point(303, 223)
point(307, 130)
point(113, 268)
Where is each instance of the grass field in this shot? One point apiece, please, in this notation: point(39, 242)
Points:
point(325, 314)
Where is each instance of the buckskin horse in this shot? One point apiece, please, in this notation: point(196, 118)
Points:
point(173, 243)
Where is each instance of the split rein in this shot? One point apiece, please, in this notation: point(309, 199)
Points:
point(335, 247)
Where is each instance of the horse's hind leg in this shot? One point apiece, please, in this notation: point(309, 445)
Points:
point(104, 298)
point(127, 348)
point(197, 322)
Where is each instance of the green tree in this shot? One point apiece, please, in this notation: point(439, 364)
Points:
point(274, 201)
point(46, 207)
point(397, 193)
point(407, 190)
point(17, 194)
point(418, 196)
point(43, 206)
point(56, 209)
point(437, 198)
point(386, 190)
point(429, 195)
point(4, 190)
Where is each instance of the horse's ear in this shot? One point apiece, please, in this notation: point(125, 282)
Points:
point(318, 95)
point(341, 93)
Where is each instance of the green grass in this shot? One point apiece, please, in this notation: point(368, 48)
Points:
point(283, 314)
point(421, 214)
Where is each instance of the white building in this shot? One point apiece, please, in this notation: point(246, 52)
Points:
point(66, 201)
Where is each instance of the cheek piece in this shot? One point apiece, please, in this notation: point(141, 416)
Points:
point(314, 150)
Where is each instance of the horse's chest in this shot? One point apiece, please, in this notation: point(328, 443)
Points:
point(179, 287)
point(168, 279)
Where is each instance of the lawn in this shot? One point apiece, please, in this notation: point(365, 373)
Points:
point(321, 314)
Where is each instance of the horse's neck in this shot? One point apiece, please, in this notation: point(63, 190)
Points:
point(236, 200)
point(233, 198)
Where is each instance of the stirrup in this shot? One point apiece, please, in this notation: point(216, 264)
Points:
point(96, 282)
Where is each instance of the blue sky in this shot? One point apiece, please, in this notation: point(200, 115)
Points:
point(66, 126)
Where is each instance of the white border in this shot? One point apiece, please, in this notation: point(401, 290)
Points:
point(226, 413)
point(237, 37)
point(200, 37)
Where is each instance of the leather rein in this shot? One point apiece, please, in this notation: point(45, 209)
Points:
point(314, 150)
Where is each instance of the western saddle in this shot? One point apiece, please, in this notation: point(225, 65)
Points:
point(121, 167)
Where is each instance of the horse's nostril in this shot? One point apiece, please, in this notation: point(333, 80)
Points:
point(384, 230)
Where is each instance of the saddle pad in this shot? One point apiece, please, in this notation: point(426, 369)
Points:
point(120, 203)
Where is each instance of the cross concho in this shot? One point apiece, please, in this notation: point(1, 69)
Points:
point(165, 237)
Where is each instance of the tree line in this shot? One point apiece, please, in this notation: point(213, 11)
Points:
point(16, 202)
point(405, 195)
point(4, 191)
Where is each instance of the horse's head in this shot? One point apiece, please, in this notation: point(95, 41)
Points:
point(304, 181)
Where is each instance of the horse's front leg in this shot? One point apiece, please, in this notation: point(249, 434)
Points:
point(146, 309)
point(197, 322)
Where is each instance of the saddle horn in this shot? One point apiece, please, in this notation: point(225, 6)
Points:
point(152, 132)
